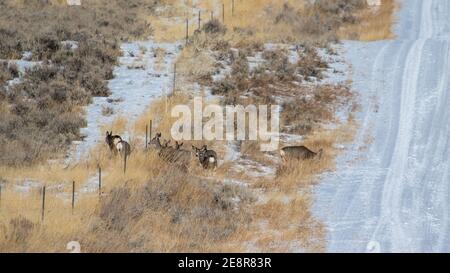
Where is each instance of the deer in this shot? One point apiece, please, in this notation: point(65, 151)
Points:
point(207, 158)
point(299, 153)
point(181, 156)
point(155, 143)
point(164, 150)
point(171, 154)
point(124, 148)
point(112, 141)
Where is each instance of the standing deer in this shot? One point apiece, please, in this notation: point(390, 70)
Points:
point(112, 141)
point(207, 158)
point(299, 153)
point(124, 148)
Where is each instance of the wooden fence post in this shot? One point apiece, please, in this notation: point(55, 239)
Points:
point(146, 136)
point(232, 7)
point(43, 204)
point(187, 31)
point(174, 78)
point(199, 19)
point(212, 15)
point(99, 181)
point(150, 129)
point(223, 14)
point(125, 164)
point(73, 196)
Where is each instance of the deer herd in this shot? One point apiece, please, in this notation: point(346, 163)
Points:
point(206, 157)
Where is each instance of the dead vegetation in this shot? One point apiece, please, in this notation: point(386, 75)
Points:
point(157, 207)
point(154, 207)
point(315, 106)
point(243, 69)
point(78, 48)
point(375, 23)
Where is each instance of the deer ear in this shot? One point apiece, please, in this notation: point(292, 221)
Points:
point(181, 144)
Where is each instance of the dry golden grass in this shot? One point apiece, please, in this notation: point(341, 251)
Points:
point(45, 172)
point(280, 221)
point(247, 15)
point(255, 16)
point(31, 234)
point(375, 25)
point(195, 64)
point(284, 209)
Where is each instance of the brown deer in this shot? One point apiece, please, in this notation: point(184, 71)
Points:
point(171, 154)
point(181, 156)
point(112, 141)
point(155, 143)
point(124, 148)
point(207, 158)
point(299, 153)
point(163, 149)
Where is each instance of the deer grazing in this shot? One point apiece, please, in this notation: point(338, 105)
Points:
point(117, 145)
point(181, 156)
point(170, 154)
point(299, 153)
point(207, 158)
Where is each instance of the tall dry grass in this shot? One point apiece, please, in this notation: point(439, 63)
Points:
point(376, 23)
point(154, 206)
point(261, 21)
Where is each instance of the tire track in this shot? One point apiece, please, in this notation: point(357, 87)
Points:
point(396, 194)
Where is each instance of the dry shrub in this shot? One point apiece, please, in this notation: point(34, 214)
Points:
point(7, 72)
point(44, 114)
point(214, 26)
point(310, 65)
point(374, 23)
point(315, 107)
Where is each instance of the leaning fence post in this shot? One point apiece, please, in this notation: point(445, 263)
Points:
point(99, 181)
point(73, 196)
point(43, 204)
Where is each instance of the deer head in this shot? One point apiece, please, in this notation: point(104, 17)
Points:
point(178, 145)
point(196, 150)
point(155, 142)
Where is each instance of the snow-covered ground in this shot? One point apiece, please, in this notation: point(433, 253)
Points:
point(140, 77)
point(391, 190)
